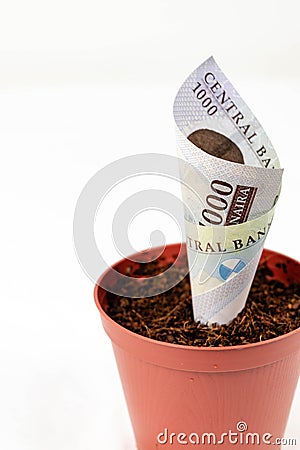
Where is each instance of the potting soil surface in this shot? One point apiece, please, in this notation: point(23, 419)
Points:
point(271, 310)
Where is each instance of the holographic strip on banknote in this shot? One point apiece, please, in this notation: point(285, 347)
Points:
point(231, 184)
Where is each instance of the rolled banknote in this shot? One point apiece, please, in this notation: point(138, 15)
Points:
point(231, 185)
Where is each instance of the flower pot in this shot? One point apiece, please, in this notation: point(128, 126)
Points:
point(180, 396)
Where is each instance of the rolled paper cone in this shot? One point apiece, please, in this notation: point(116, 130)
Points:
point(231, 184)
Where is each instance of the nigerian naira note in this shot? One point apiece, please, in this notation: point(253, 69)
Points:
point(231, 185)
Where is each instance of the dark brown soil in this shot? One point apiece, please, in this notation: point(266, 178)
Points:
point(272, 309)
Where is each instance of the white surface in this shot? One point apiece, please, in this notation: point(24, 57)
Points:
point(82, 85)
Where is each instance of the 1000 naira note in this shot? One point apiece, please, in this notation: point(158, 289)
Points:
point(231, 185)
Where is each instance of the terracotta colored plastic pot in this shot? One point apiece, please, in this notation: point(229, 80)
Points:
point(192, 397)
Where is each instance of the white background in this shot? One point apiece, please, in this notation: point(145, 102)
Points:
point(82, 84)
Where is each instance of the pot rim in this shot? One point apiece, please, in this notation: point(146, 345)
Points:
point(239, 347)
